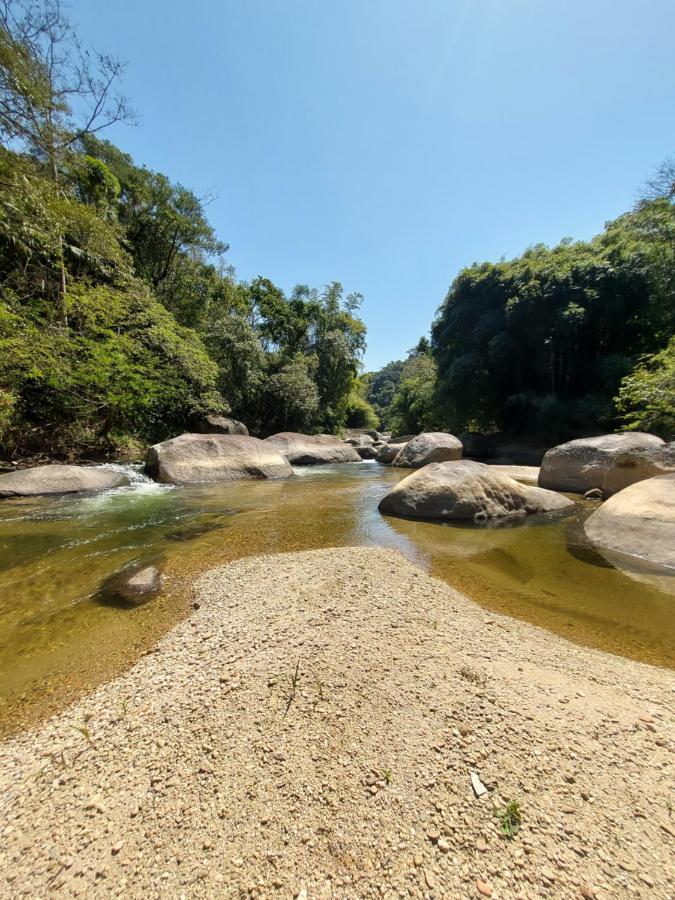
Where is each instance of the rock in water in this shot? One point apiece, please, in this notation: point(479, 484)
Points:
point(639, 521)
point(59, 480)
point(312, 449)
point(465, 489)
point(196, 458)
point(437, 446)
point(578, 466)
point(636, 465)
point(136, 584)
point(220, 425)
point(387, 453)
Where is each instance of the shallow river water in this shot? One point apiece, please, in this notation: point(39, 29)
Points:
point(60, 634)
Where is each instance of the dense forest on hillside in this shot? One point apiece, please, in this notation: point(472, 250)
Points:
point(119, 321)
point(557, 342)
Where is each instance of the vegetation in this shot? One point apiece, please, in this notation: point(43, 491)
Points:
point(510, 819)
point(119, 320)
point(558, 342)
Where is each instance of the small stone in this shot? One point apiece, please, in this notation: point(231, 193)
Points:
point(115, 849)
point(481, 846)
point(483, 888)
point(430, 880)
point(587, 892)
point(417, 860)
point(443, 845)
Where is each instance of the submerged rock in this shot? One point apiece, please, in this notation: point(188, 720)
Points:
point(580, 465)
point(59, 480)
point(312, 449)
point(465, 489)
point(436, 446)
point(197, 458)
point(636, 465)
point(134, 585)
point(638, 521)
point(220, 425)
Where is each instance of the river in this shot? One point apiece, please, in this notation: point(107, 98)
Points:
point(60, 634)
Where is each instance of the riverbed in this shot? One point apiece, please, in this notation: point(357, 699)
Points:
point(61, 633)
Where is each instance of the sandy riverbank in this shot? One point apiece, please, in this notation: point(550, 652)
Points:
point(212, 769)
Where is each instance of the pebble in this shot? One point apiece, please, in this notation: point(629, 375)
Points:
point(484, 889)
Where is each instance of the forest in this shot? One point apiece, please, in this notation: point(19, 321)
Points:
point(121, 323)
point(559, 342)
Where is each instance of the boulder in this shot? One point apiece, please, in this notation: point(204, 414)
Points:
point(636, 465)
point(367, 451)
point(312, 449)
point(638, 522)
point(196, 458)
point(578, 466)
point(59, 480)
point(524, 474)
point(401, 438)
point(220, 425)
point(476, 444)
point(135, 585)
point(465, 489)
point(360, 440)
point(436, 446)
point(387, 453)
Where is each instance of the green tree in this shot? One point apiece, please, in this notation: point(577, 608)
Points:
point(646, 399)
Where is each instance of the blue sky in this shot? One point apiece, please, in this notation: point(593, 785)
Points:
point(386, 144)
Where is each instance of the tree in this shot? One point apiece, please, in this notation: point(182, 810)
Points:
point(413, 408)
point(646, 399)
point(53, 92)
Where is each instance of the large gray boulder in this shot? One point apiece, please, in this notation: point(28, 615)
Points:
point(581, 465)
point(436, 446)
point(59, 480)
point(196, 458)
point(312, 449)
point(465, 489)
point(636, 465)
point(220, 425)
point(387, 453)
point(638, 522)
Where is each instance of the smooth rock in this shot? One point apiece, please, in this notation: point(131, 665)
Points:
point(524, 474)
point(636, 465)
point(580, 465)
point(434, 447)
point(312, 449)
point(136, 584)
point(220, 425)
point(58, 479)
point(197, 458)
point(638, 522)
point(388, 453)
point(465, 489)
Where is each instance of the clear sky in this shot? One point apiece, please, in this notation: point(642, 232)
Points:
point(387, 143)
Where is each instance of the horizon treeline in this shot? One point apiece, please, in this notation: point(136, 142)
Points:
point(119, 320)
point(558, 342)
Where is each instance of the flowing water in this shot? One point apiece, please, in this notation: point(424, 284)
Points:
point(60, 633)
